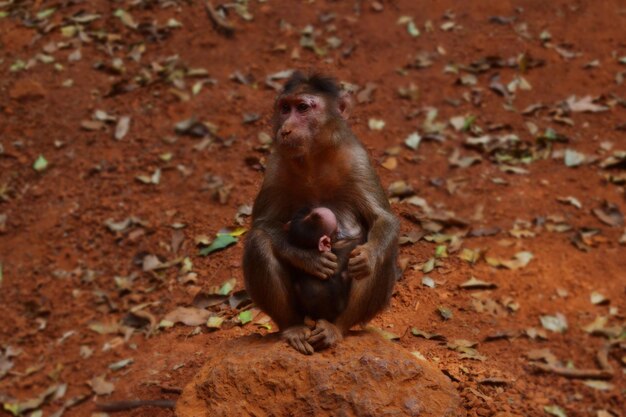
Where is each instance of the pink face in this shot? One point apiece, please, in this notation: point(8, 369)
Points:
point(329, 223)
point(299, 118)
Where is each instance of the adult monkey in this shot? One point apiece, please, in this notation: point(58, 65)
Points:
point(319, 162)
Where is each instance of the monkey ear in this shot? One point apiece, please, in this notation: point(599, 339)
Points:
point(344, 104)
point(324, 244)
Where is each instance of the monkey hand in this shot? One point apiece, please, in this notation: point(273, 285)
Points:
point(324, 335)
point(361, 263)
point(297, 337)
point(322, 265)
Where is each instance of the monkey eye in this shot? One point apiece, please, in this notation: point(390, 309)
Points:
point(302, 107)
point(284, 108)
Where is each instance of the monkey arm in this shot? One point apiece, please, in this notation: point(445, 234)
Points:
point(383, 234)
point(323, 265)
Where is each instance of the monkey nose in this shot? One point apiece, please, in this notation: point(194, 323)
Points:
point(285, 132)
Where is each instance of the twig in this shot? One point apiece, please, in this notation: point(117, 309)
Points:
point(115, 406)
point(573, 373)
point(222, 26)
point(603, 358)
point(171, 390)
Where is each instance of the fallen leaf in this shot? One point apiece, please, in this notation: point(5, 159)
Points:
point(221, 241)
point(189, 316)
point(521, 259)
point(570, 200)
point(556, 323)
point(428, 282)
point(384, 333)
point(214, 322)
point(365, 95)
point(599, 385)
point(100, 386)
point(413, 141)
point(609, 214)
point(203, 300)
point(376, 124)
point(116, 366)
point(544, 355)
point(123, 125)
point(584, 104)
point(476, 284)
point(573, 158)
point(428, 336)
point(555, 410)
point(40, 164)
point(598, 299)
point(126, 18)
point(245, 317)
point(445, 312)
point(227, 287)
point(151, 263)
point(390, 163)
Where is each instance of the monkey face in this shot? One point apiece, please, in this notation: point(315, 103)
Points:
point(299, 118)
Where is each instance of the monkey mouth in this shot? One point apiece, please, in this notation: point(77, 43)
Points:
point(292, 143)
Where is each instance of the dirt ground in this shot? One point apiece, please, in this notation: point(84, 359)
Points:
point(106, 199)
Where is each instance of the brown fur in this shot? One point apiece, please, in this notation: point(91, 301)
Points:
point(335, 173)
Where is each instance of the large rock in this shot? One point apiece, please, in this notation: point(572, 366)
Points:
point(364, 375)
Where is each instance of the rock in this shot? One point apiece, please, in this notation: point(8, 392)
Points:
point(26, 88)
point(364, 375)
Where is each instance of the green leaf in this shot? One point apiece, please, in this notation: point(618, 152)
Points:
point(222, 241)
point(245, 316)
point(227, 287)
point(44, 14)
point(468, 122)
point(40, 164)
point(17, 66)
point(215, 322)
point(69, 31)
point(412, 29)
point(13, 408)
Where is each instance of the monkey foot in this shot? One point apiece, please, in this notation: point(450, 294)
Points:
point(325, 335)
point(297, 337)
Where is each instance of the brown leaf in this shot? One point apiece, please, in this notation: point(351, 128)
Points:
point(100, 386)
point(189, 316)
point(609, 214)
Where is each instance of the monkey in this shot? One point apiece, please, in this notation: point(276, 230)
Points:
point(318, 161)
point(315, 228)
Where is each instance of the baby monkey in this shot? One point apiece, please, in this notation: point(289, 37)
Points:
point(316, 228)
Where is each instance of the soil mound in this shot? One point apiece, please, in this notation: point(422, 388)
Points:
point(365, 375)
